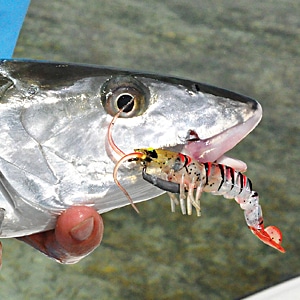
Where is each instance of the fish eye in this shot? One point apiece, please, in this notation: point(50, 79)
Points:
point(119, 92)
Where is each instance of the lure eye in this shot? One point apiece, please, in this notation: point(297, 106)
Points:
point(119, 91)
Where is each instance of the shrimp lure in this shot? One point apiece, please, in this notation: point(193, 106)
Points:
point(178, 173)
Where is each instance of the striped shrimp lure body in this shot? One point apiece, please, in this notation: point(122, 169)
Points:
point(178, 173)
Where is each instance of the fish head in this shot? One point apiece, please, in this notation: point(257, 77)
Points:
point(176, 114)
point(200, 120)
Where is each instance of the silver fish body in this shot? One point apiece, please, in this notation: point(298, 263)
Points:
point(53, 125)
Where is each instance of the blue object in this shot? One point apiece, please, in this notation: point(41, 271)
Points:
point(12, 14)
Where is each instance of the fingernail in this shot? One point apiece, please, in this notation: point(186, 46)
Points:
point(83, 230)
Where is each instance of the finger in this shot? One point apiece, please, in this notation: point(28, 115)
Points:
point(78, 232)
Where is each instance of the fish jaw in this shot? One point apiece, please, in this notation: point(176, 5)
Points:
point(214, 148)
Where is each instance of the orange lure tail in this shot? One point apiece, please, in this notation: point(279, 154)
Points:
point(271, 236)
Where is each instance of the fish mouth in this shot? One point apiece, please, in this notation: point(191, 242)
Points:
point(213, 149)
point(209, 143)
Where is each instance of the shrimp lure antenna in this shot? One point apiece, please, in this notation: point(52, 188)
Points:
point(124, 157)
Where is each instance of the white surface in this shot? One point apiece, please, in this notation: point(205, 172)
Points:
point(288, 290)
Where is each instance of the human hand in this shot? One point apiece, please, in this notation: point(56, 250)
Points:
point(78, 232)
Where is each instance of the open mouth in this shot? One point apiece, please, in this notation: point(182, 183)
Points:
point(204, 148)
point(213, 149)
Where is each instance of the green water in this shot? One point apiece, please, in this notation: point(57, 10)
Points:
point(251, 47)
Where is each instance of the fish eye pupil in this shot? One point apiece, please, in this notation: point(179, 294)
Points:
point(125, 93)
point(124, 100)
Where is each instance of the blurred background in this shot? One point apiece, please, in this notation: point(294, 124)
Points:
point(251, 47)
